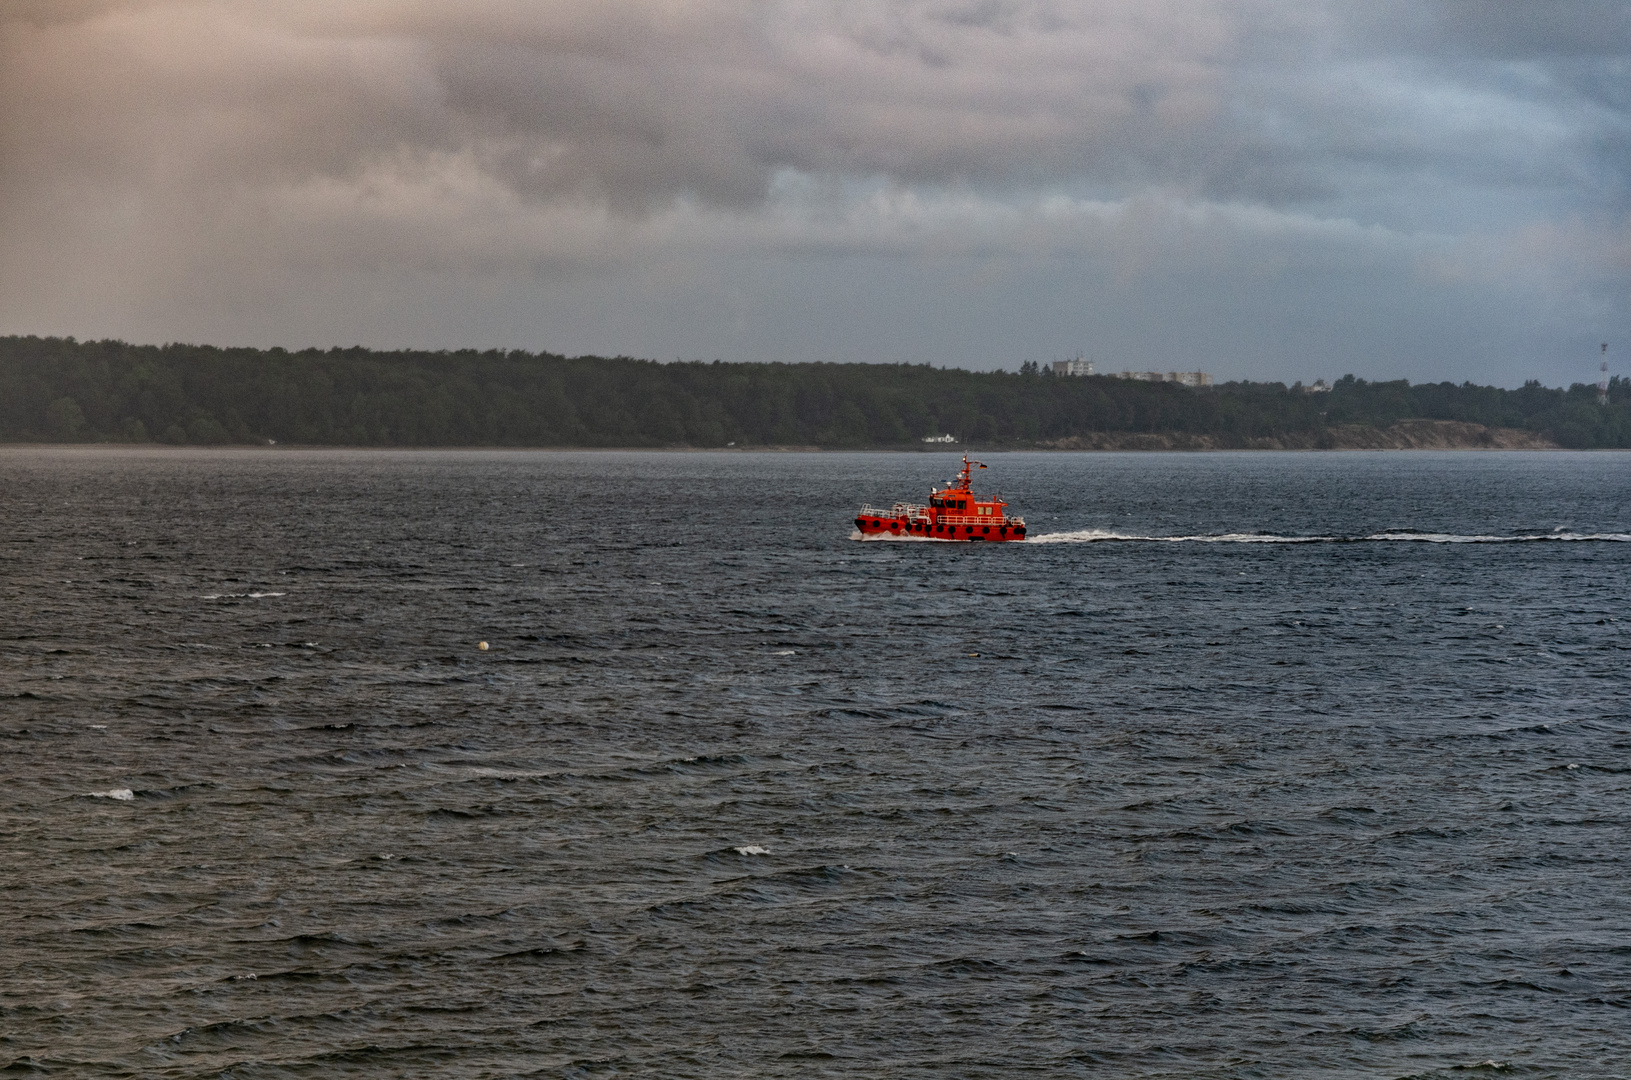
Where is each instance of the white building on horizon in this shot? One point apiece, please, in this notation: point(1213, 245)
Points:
point(1182, 378)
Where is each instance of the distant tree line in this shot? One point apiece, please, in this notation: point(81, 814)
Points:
point(62, 390)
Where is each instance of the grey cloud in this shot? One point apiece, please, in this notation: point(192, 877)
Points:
point(631, 102)
point(638, 102)
point(919, 93)
point(1572, 57)
point(149, 146)
point(1495, 29)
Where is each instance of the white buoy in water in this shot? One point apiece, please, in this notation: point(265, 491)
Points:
point(482, 645)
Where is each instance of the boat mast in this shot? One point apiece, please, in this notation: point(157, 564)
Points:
point(965, 478)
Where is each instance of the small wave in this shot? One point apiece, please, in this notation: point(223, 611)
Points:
point(784, 652)
point(241, 595)
point(123, 794)
point(1090, 536)
point(751, 849)
point(481, 772)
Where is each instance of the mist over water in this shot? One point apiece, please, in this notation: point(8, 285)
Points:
point(1236, 786)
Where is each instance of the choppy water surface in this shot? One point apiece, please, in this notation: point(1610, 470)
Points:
point(733, 795)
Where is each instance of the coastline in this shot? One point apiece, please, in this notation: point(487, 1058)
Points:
point(1402, 435)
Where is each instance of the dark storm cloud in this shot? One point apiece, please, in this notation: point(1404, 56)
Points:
point(166, 163)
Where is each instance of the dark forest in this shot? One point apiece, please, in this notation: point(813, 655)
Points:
point(62, 390)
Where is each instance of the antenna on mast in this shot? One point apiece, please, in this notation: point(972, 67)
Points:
point(1602, 381)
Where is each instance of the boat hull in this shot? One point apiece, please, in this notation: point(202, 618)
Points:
point(895, 528)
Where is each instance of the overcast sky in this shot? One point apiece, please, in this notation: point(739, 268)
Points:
point(1263, 189)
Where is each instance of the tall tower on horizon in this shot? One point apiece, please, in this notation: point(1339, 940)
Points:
point(1602, 380)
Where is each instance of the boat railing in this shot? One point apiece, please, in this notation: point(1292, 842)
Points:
point(980, 519)
point(921, 513)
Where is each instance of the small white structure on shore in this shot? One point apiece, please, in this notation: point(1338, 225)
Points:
point(939, 438)
point(1077, 366)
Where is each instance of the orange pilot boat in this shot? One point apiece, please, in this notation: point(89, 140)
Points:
point(953, 513)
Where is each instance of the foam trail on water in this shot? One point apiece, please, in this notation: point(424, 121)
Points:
point(1090, 536)
point(1448, 538)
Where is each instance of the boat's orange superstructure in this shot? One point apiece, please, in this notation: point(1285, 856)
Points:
point(953, 513)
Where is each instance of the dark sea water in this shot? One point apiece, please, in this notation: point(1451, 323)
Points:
point(734, 795)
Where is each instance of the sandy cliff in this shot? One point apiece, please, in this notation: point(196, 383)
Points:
point(1404, 435)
